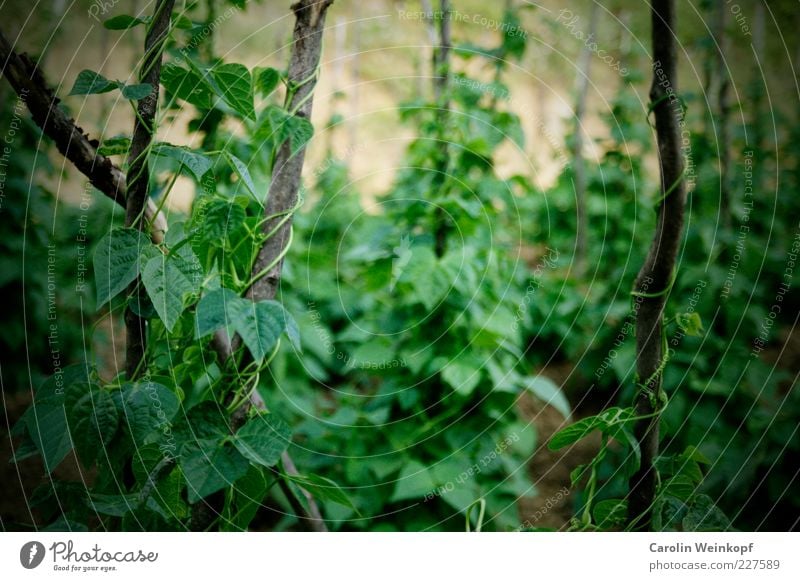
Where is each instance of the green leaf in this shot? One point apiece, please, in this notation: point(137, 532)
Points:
point(293, 331)
point(681, 487)
point(124, 22)
point(421, 269)
point(205, 421)
point(547, 391)
point(91, 83)
point(249, 491)
point(25, 449)
point(610, 513)
point(668, 513)
point(197, 163)
point(300, 133)
point(55, 386)
point(93, 420)
point(267, 80)
point(692, 453)
point(45, 421)
point(415, 481)
point(116, 262)
point(577, 473)
point(188, 262)
point(241, 170)
point(510, 126)
point(682, 464)
point(323, 489)
point(703, 515)
point(119, 145)
point(263, 439)
point(259, 324)
point(167, 285)
point(463, 374)
point(608, 422)
point(691, 324)
point(210, 465)
point(573, 433)
point(142, 306)
point(297, 130)
point(65, 525)
point(166, 496)
point(222, 218)
point(370, 354)
point(136, 92)
point(147, 407)
point(211, 312)
point(181, 21)
point(49, 430)
point(113, 504)
point(187, 84)
point(235, 87)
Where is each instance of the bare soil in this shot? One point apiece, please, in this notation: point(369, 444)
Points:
point(553, 507)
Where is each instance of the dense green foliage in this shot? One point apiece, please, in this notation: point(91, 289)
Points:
point(393, 362)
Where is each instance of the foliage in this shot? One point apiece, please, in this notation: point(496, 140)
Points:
point(394, 359)
point(47, 247)
point(723, 401)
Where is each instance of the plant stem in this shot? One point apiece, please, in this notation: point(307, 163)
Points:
point(441, 78)
point(29, 83)
point(655, 279)
point(138, 171)
point(282, 198)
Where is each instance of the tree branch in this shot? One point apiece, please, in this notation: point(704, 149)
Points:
point(283, 190)
point(281, 199)
point(441, 78)
point(81, 151)
point(138, 178)
point(282, 196)
point(654, 281)
point(29, 83)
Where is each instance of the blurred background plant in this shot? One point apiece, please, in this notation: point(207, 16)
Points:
point(420, 358)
